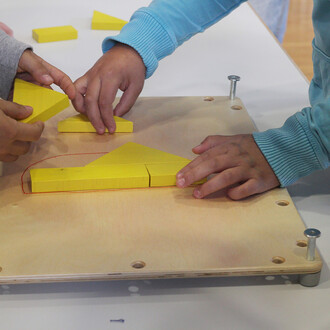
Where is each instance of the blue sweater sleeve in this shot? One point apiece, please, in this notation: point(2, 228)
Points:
point(302, 145)
point(157, 30)
point(295, 150)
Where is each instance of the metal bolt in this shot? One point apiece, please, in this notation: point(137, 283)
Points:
point(233, 81)
point(312, 234)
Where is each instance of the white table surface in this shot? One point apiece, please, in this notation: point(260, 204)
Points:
point(272, 89)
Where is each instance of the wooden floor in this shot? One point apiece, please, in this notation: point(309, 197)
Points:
point(299, 35)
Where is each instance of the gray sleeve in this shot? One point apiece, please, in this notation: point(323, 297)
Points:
point(10, 53)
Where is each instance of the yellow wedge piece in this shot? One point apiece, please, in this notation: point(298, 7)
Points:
point(80, 123)
point(133, 153)
point(57, 33)
point(102, 21)
point(89, 178)
point(45, 102)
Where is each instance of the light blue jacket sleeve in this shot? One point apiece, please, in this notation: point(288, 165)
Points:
point(302, 145)
point(156, 31)
point(295, 150)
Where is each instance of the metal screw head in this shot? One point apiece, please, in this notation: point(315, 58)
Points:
point(234, 78)
point(312, 233)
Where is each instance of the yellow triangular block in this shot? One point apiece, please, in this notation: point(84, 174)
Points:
point(102, 21)
point(45, 102)
point(133, 153)
point(81, 124)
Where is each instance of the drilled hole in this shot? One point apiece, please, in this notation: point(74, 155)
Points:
point(236, 107)
point(302, 243)
point(138, 264)
point(208, 98)
point(278, 260)
point(270, 278)
point(282, 203)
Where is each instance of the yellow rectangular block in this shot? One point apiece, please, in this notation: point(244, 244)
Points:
point(57, 33)
point(164, 175)
point(45, 102)
point(89, 178)
point(81, 124)
point(101, 21)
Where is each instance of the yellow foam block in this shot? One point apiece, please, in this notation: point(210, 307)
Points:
point(134, 153)
point(102, 21)
point(80, 123)
point(164, 175)
point(56, 33)
point(89, 178)
point(45, 102)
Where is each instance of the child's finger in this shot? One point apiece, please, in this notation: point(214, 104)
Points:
point(92, 107)
point(107, 96)
point(32, 64)
point(127, 100)
point(6, 29)
point(14, 110)
point(220, 181)
point(18, 148)
point(29, 132)
point(244, 190)
point(61, 79)
point(81, 88)
point(210, 142)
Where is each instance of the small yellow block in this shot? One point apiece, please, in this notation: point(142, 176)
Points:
point(56, 33)
point(45, 102)
point(133, 153)
point(102, 21)
point(80, 123)
point(163, 175)
point(89, 178)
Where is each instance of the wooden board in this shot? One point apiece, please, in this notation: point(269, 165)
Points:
point(145, 233)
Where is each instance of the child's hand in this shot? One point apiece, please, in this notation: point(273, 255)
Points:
point(239, 165)
point(16, 137)
point(120, 68)
point(6, 29)
point(33, 68)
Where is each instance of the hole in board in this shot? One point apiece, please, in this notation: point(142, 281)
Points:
point(208, 98)
point(138, 264)
point(282, 203)
point(236, 107)
point(278, 260)
point(270, 278)
point(302, 243)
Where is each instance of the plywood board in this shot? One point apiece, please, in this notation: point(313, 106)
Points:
point(144, 233)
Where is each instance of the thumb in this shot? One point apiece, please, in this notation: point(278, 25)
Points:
point(14, 110)
point(31, 63)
